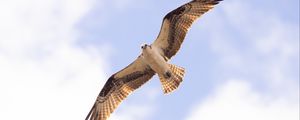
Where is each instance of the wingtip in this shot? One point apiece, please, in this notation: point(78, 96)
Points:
point(214, 2)
point(89, 114)
point(209, 0)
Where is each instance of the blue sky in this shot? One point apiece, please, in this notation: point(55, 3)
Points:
point(241, 58)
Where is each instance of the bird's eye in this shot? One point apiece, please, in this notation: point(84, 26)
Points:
point(142, 47)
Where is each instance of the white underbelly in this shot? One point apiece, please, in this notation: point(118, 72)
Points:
point(155, 61)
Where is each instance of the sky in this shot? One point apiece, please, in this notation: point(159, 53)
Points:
point(241, 59)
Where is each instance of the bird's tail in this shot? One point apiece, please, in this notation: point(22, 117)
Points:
point(171, 80)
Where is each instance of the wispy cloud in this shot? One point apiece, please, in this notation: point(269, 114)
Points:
point(237, 100)
point(133, 111)
point(259, 50)
point(44, 73)
point(265, 43)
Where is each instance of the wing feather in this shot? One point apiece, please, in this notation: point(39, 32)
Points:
point(118, 87)
point(177, 23)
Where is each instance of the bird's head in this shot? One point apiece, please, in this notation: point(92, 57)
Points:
point(145, 46)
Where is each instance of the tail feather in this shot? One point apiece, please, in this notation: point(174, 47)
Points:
point(172, 83)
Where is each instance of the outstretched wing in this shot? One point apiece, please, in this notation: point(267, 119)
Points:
point(118, 87)
point(176, 24)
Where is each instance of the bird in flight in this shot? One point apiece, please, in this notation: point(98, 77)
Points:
point(153, 60)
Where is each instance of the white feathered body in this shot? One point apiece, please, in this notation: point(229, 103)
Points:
point(152, 57)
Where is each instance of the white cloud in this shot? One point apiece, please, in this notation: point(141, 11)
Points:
point(258, 45)
point(262, 49)
point(122, 4)
point(237, 100)
point(44, 73)
point(133, 112)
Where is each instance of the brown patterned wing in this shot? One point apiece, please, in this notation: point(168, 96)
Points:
point(118, 87)
point(177, 23)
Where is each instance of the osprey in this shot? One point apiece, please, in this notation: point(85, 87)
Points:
point(153, 60)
